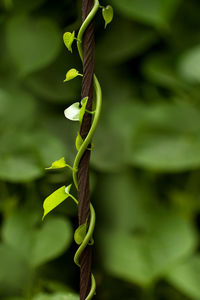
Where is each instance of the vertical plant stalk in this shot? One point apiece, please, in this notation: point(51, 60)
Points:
point(83, 169)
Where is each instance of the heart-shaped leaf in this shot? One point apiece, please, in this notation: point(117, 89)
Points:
point(71, 74)
point(68, 39)
point(107, 13)
point(55, 199)
point(36, 245)
point(58, 164)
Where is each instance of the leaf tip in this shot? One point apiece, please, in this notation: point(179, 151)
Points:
point(67, 189)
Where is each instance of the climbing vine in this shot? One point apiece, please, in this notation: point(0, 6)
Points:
point(83, 235)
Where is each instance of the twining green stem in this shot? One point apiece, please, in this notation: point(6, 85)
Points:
point(96, 115)
point(85, 24)
point(87, 237)
point(68, 166)
point(90, 135)
point(90, 112)
point(73, 198)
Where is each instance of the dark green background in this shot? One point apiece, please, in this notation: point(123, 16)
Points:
point(145, 167)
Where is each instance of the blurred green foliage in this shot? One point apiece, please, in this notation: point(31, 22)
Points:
point(146, 158)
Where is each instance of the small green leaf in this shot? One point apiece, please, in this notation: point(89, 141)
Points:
point(55, 199)
point(79, 141)
point(107, 13)
point(80, 233)
point(58, 164)
point(71, 74)
point(68, 39)
point(73, 111)
point(83, 108)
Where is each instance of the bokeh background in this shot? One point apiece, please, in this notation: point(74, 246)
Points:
point(145, 166)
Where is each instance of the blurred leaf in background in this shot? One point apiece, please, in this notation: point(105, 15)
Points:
point(32, 43)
